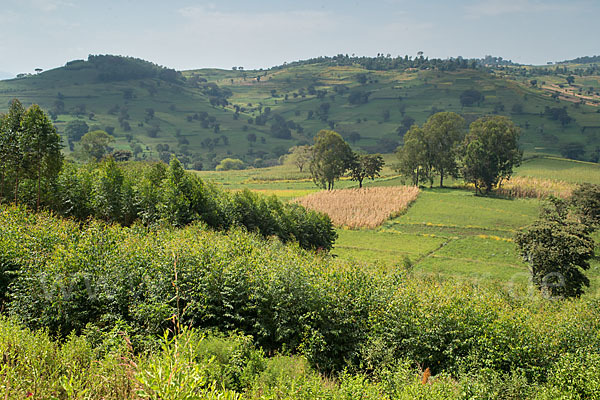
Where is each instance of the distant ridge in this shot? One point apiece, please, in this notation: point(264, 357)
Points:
point(581, 60)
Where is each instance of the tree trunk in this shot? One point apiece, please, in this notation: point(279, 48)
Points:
point(360, 183)
point(441, 178)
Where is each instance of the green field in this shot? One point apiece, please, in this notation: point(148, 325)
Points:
point(447, 231)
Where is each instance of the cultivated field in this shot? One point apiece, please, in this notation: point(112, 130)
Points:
point(361, 208)
point(536, 188)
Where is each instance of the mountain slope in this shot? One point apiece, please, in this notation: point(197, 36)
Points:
point(206, 115)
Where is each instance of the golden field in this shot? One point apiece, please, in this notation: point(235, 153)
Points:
point(537, 188)
point(361, 208)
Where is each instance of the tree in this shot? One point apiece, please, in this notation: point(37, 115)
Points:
point(586, 202)
point(470, 97)
point(573, 150)
point(332, 156)
point(228, 164)
point(94, 145)
point(443, 133)
point(570, 79)
point(557, 249)
point(300, 156)
point(412, 156)
point(366, 166)
point(11, 160)
point(76, 129)
point(41, 147)
point(490, 152)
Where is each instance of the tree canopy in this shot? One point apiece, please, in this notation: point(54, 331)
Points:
point(332, 157)
point(558, 249)
point(366, 166)
point(490, 152)
point(433, 149)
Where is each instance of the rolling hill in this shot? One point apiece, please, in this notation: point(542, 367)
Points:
point(206, 115)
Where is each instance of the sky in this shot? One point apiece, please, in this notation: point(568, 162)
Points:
point(185, 34)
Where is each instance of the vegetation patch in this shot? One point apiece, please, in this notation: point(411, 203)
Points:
point(536, 188)
point(361, 208)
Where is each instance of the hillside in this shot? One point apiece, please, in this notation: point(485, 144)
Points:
point(206, 115)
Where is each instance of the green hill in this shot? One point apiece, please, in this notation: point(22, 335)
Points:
point(206, 115)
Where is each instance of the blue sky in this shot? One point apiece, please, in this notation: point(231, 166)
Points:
point(186, 34)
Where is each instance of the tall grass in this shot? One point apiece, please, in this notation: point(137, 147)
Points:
point(361, 208)
point(536, 188)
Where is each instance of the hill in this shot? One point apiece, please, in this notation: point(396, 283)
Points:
point(206, 115)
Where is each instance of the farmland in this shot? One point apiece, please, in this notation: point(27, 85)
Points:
point(446, 232)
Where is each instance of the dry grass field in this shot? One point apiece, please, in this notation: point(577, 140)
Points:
point(536, 188)
point(361, 208)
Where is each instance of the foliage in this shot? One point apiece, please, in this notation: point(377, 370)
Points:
point(153, 194)
point(366, 166)
point(412, 156)
point(76, 129)
point(98, 280)
point(443, 133)
point(432, 149)
point(95, 145)
point(299, 156)
point(586, 200)
point(557, 249)
point(332, 156)
point(228, 164)
point(490, 152)
point(29, 149)
point(470, 97)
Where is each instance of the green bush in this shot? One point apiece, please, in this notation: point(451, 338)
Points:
point(153, 194)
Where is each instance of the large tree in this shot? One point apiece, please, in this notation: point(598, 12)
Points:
point(490, 152)
point(332, 156)
point(443, 132)
point(41, 147)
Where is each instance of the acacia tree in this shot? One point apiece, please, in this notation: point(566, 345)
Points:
point(490, 152)
point(332, 156)
point(40, 146)
point(558, 249)
point(443, 132)
point(366, 166)
point(412, 156)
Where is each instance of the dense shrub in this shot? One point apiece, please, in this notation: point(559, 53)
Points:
point(156, 194)
point(93, 277)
